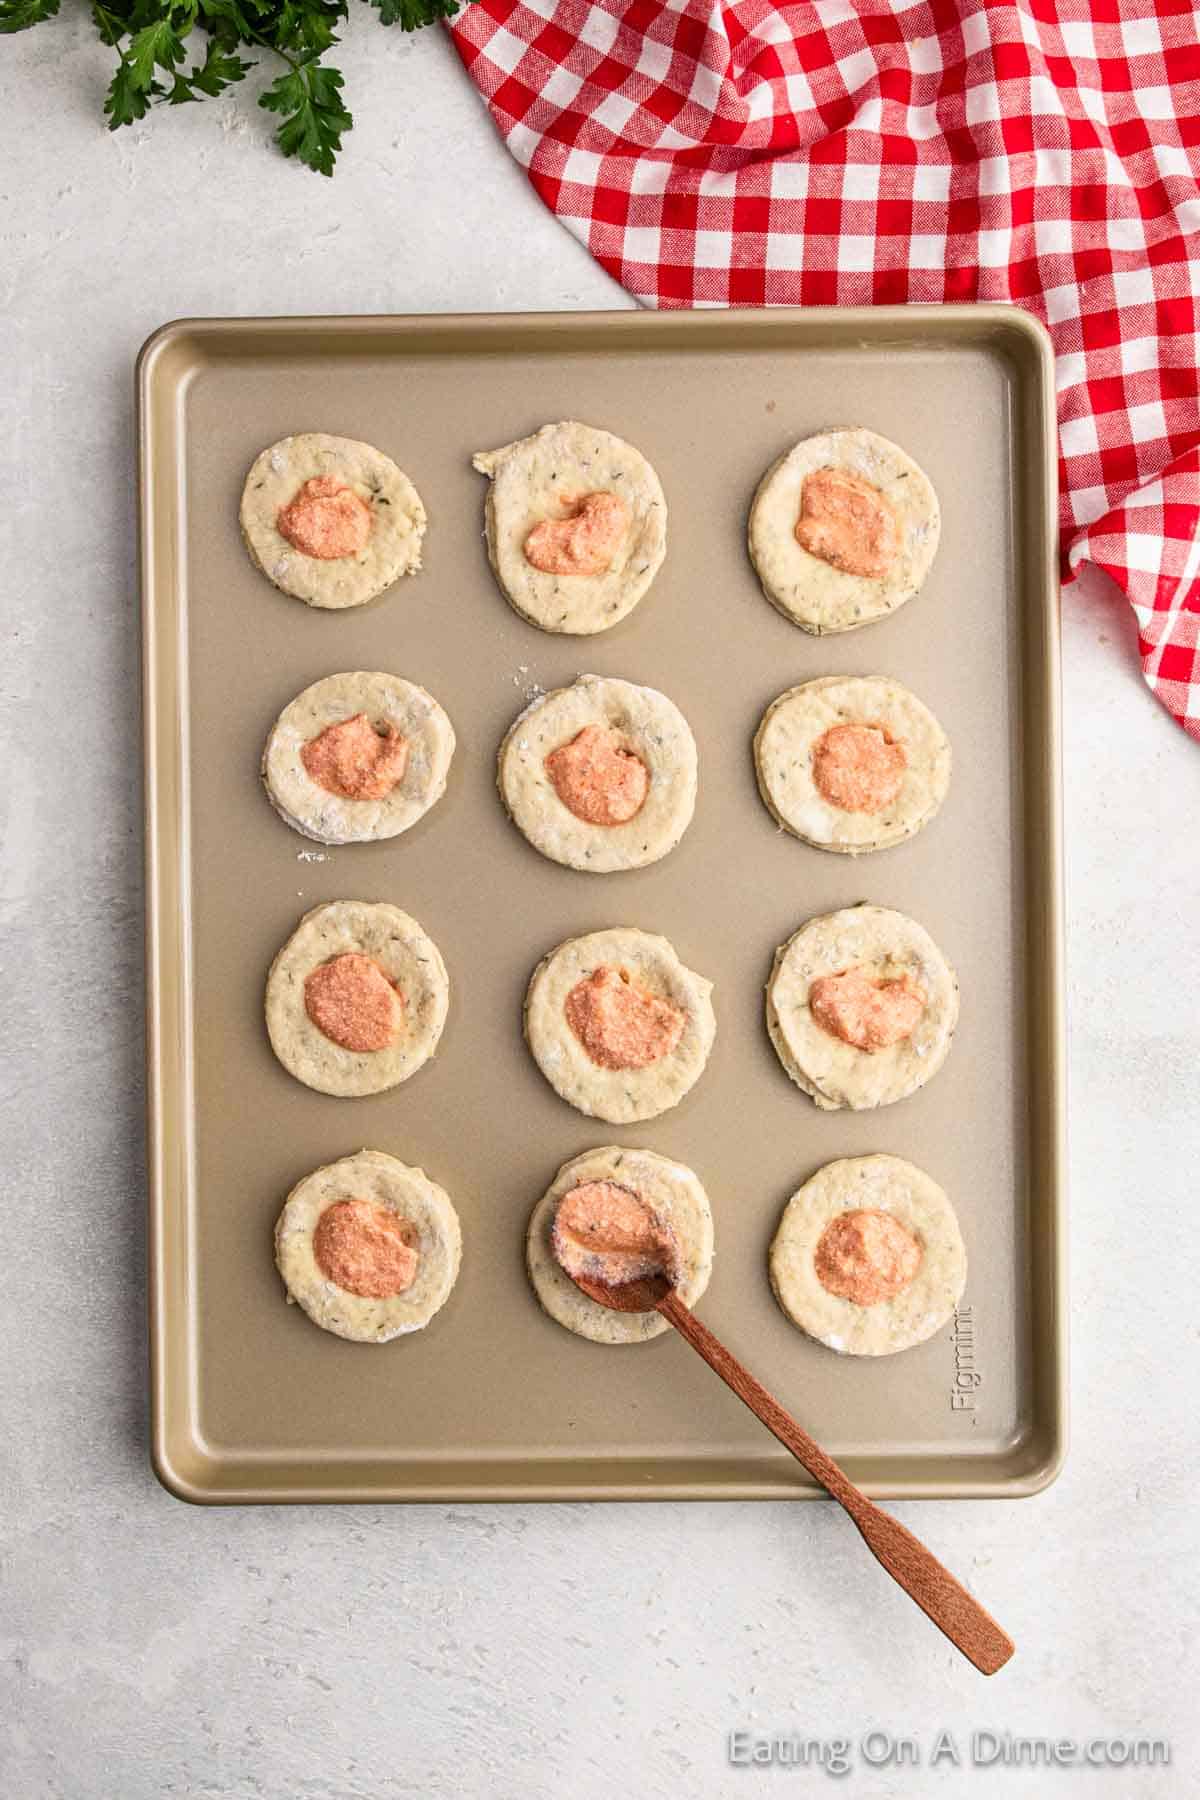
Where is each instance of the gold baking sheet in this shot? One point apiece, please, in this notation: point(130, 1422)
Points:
point(250, 1401)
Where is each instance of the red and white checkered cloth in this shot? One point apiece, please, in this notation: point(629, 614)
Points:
point(1045, 152)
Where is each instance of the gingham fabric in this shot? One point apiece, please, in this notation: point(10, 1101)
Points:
point(1045, 152)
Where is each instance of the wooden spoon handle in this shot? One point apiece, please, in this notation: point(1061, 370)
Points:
point(943, 1599)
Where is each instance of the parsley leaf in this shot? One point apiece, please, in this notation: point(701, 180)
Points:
point(151, 41)
point(409, 15)
point(134, 86)
point(156, 46)
point(219, 70)
point(308, 25)
point(310, 99)
point(128, 98)
point(229, 23)
point(19, 15)
point(111, 28)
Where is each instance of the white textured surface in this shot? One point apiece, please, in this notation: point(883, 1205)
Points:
point(149, 1649)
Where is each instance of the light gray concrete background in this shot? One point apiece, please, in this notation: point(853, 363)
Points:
point(151, 1649)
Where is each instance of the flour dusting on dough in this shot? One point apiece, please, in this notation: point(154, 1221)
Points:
point(430, 1224)
point(619, 1096)
point(805, 588)
point(918, 1209)
point(674, 1195)
point(886, 946)
point(649, 726)
point(310, 807)
point(795, 724)
point(533, 481)
point(396, 525)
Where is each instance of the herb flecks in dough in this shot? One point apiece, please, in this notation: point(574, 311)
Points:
point(677, 1203)
point(351, 1002)
point(314, 519)
point(326, 519)
point(575, 521)
point(619, 1027)
point(871, 1015)
point(847, 522)
point(597, 778)
point(364, 1249)
point(655, 778)
point(620, 1024)
point(858, 768)
point(843, 529)
point(861, 952)
point(358, 756)
point(343, 1259)
point(866, 1256)
point(585, 542)
point(606, 1233)
point(356, 760)
point(830, 749)
point(406, 994)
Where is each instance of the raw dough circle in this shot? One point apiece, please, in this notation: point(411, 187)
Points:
point(620, 1096)
point(529, 480)
point(671, 1191)
point(807, 589)
point(888, 945)
point(397, 519)
point(783, 753)
point(407, 957)
point(885, 1184)
point(316, 813)
point(387, 1182)
point(652, 726)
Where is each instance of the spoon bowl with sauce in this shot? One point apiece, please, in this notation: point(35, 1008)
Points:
point(622, 1256)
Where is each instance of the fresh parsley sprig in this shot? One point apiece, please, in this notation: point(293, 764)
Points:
point(153, 40)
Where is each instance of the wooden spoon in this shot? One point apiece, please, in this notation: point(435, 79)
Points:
point(952, 1609)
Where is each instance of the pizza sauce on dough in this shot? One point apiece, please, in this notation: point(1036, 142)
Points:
point(847, 523)
point(871, 1015)
point(351, 1002)
point(606, 1233)
point(866, 1256)
point(365, 1249)
point(326, 519)
point(355, 760)
point(619, 1024)
point(597, 778)
point(858, 768)
point(585, 542)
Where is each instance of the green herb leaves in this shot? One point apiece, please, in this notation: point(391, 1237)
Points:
point(19, 15)
point(219, 70)
point(151, 39)
point(409, 15)
point(310, 97)
point(154, 46)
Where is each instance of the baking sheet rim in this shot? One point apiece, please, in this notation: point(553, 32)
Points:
point(169, 1120)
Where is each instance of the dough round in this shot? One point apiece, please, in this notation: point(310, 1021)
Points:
point(374, 1176)
point(407, 957)
point(783, 760)
point(620, 1096)
point(397, 519)
point(884, 1184)
point(887, 946)
point(543, 477)
point(671, 1191)
point(650, 725)
point(807, 589)
point(329, 818)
